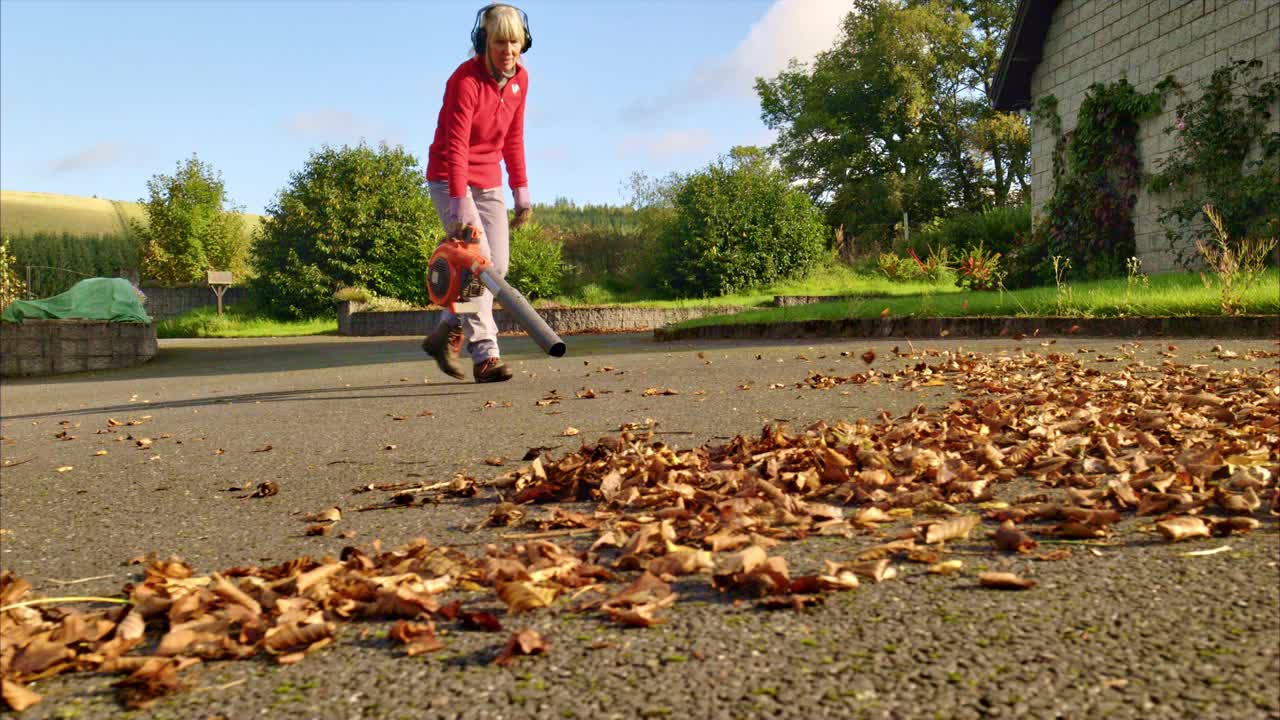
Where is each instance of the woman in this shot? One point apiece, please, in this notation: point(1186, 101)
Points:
point(480, 123)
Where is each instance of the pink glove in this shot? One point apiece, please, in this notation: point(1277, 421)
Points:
point(463, 213)
point(524, 207)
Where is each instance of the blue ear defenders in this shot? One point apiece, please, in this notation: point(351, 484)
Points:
point(480, 36)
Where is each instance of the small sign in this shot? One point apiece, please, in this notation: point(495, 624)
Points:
point(219, 277)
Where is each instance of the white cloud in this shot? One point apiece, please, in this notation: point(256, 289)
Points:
point(665, 145)
point(797, 29)
point(99, 155)
point(337, 126)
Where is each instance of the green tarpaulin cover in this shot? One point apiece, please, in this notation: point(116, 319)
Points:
point(91, 299)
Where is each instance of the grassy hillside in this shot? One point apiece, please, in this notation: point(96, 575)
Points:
point(28, 213)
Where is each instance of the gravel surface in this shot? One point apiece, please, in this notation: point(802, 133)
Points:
point(1131, 629)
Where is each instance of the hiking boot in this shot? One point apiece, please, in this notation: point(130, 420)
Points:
point(444, 344)
point(491, 370)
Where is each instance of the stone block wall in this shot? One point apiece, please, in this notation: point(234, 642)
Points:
point(163, 303)
point(1144, 41)
point(47, 347)
point(353, 321)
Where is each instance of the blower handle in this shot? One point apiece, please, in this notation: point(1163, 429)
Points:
point(523, 312)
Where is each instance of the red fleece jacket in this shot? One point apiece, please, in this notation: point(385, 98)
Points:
point(479, 125)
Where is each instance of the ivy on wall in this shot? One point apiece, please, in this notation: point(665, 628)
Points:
point(1096, 174)
point(1225, 157)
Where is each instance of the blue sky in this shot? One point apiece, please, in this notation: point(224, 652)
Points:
point(96, 97)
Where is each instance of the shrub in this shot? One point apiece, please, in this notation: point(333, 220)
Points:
point(11, 286)
point(736, 225)
point(897, 268)
point(979, 269)
point(537, 266)
point(352, 216)
point(998, 229)
point(61, 260)
point(188, 229)
point(352, 294)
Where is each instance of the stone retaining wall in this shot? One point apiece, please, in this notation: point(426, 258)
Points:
point(163, 303)
point(47, 347)
point(565, 321)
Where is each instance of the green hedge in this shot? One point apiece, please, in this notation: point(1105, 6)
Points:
point(61, 260)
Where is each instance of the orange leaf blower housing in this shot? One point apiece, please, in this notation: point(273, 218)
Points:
point(457, 272)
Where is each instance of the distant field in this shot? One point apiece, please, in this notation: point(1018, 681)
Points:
point(27, 213)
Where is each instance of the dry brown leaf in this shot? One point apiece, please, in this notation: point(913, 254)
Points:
point(18, 696)
point(946, 567)
point(522, 596)
point(953, 529)
point(418, 637)
point(1011, 539)
point(522, 642)
point(569, 431)
point(1004, 581)
point(1184, 527)
point(331, 515)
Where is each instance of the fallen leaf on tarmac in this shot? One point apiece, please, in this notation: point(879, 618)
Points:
point(869, 357)
point(1010, 539)
point(1184, 527)
point(795, 602)
point(156, 678)
point(1234, 525)
point(636, 616)
point(874, 570)
point(650, 392)
point(1004, 581)
point(419, 637)
point(946, 567)
point(264, 448)
point(522, 642)
point(332, 515)
point(569, 431)
point(681, 562)
point(952, 529)
point(521, 596)
point(318, 529)
point(18, 695)
point(1203, 553)
point(586, 394)
point(389, 447)
point(264, 489)
point(100, 452)
point(66, 468)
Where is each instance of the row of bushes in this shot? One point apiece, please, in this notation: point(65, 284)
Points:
point(60, 260)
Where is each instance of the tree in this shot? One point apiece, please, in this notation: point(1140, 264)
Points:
point(894, 117)
point(189, 230)
point(736, 225)
point(353, 216)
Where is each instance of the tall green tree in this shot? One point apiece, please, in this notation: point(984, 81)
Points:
point(351, 216)
point(189, 228)
point(894, 118)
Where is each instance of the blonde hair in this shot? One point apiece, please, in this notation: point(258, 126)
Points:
point(503, 23)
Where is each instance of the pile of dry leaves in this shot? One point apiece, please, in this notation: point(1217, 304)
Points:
point(1194, 450)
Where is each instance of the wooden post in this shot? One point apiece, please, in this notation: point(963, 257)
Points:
point(219, 280)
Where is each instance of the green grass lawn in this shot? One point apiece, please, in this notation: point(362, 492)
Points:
point(1175, 294)
point(835, 279)
point(1178, 294)
point(205, 323)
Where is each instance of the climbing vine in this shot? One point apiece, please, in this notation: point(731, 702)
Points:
point(1096, 174)
point(1225, 157)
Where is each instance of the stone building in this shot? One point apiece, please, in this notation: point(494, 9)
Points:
point(1061, 47)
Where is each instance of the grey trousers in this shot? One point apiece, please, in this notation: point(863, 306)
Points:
point(478, 329)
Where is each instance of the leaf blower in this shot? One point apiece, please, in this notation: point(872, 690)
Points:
point(457, 272)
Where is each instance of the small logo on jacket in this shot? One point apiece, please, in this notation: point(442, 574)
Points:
point(515, 88)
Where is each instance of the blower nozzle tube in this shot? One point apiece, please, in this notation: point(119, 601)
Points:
point(524, 314)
